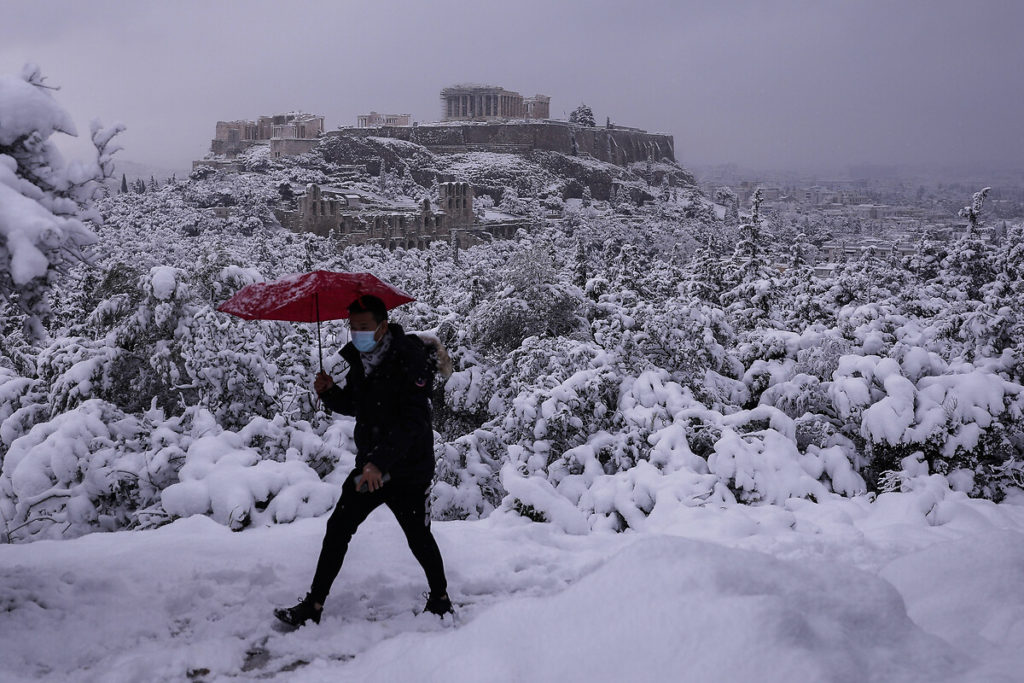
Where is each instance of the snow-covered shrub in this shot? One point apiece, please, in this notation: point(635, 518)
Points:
point(466, 401)
point(687, 339)
point(95, 468)
point(534, 303)
point(225, 476)
point(73, 473)
point(958, 418)
point(467, 484)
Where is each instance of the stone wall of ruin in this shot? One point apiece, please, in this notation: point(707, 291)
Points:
point(291, 146)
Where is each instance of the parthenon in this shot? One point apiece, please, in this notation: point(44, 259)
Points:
point(488, 102)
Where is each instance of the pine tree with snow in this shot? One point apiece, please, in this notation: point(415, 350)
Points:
point(705, 275)
point(124, 183)
point(973, 212)
point(970, 263)
point(582, 116)
point(927, 258)
point(750, 299)
point(45, 204)
point(1010, 258)
point(750, 249)
point(798, 251)
point(580, 269)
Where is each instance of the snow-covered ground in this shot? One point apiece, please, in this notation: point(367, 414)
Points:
point(920, 586)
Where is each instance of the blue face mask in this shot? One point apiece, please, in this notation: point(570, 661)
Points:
point(363, 339)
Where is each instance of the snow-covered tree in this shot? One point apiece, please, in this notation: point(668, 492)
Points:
point(971, 260)
point(754, 284)
point(583, 116)
point(45, 203)
point(799, 251)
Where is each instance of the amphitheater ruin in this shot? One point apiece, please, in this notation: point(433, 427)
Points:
point(353, 219)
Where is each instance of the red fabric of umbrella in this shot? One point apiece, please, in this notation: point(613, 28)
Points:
point(310, 297)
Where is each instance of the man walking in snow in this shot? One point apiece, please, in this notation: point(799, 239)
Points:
point(388, 391)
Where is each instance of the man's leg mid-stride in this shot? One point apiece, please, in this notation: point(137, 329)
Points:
point(410, 504)
point(352, 510)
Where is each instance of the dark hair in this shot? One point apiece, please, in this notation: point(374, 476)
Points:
point(368, 303)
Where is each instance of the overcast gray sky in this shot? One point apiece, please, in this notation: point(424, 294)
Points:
point(768, 84)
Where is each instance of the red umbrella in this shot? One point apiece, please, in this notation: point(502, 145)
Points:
point(310, 297)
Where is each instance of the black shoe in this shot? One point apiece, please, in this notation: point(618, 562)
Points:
point(438, 604)
point(300, 614)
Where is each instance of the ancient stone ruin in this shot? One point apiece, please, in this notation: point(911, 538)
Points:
point(489, 102)
point(354, 219)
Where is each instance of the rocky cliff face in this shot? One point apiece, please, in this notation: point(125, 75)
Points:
point(620, 146)
point(494, 168)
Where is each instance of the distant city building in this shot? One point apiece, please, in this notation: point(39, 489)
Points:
point(488, 102)
point(373, 120)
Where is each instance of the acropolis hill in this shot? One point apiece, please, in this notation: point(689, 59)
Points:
point(400, 184)
point(475, 118)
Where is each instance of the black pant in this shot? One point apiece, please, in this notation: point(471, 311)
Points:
point(409, 501)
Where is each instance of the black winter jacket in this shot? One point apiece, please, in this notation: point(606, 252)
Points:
point(391, 406)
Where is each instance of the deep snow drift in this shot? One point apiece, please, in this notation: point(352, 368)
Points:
point(917, 586)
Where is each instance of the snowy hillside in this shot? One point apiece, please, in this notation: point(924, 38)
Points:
point(844, 452)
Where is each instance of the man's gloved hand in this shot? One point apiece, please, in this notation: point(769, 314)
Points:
point(323, 382)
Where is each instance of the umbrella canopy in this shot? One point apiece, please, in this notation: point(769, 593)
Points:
point(310, 297)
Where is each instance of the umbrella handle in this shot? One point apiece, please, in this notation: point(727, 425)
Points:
point(319, 343)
